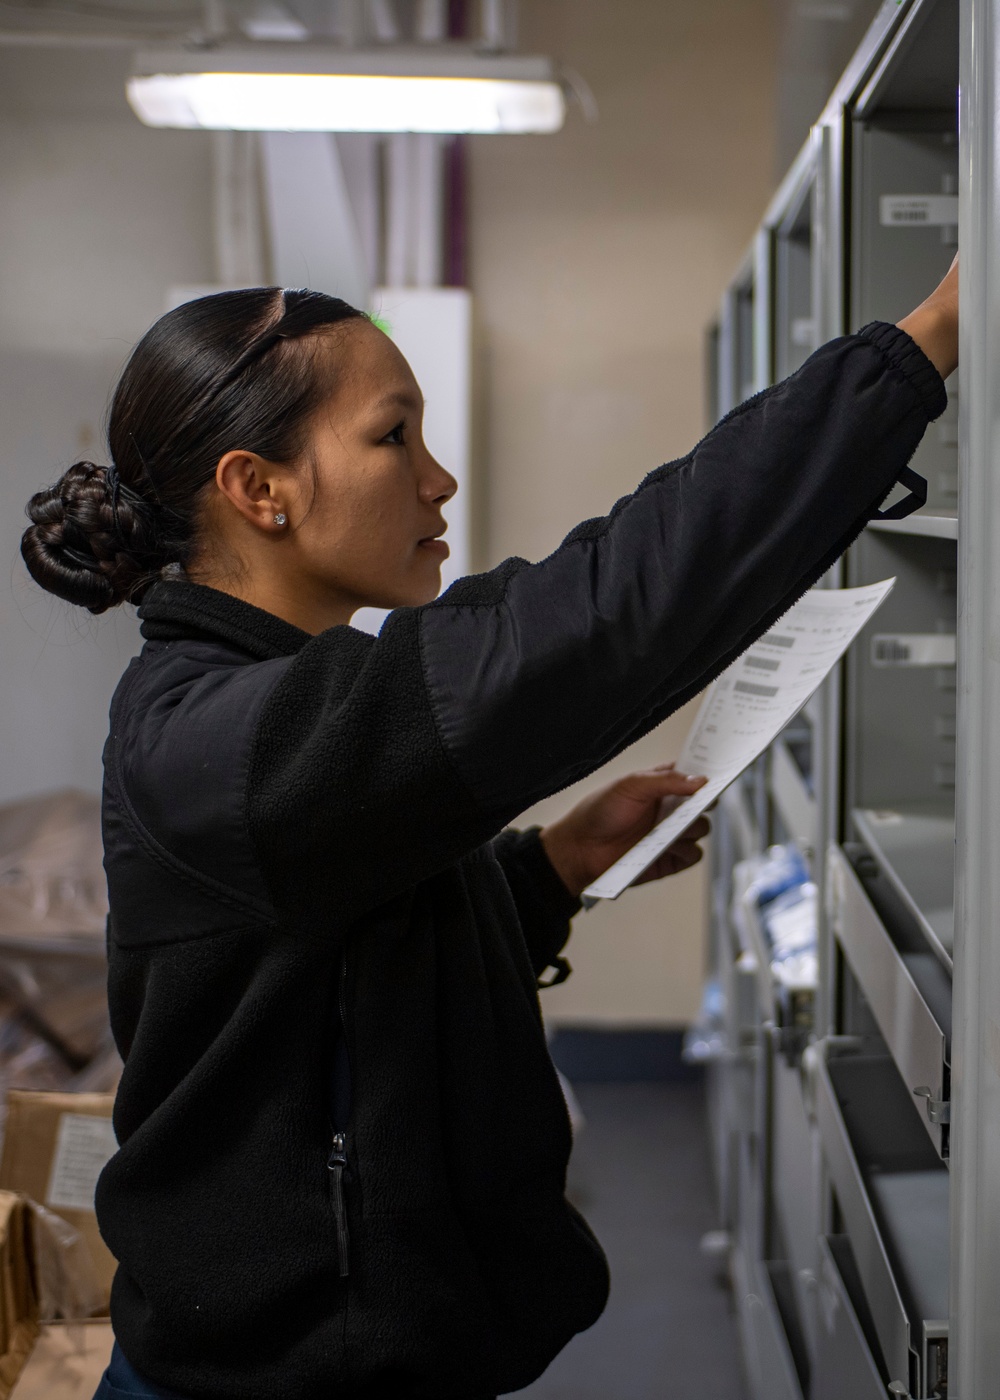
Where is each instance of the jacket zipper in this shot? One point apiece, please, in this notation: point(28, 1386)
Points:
point(337, 1166)
point(337, 1163)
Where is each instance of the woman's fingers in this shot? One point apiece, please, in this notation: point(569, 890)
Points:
point(601, 827)
point(697, 831)
point(657, 783)
point(682, 855)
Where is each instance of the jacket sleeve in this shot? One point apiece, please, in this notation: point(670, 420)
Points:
point(378, 762)
point(544, 905)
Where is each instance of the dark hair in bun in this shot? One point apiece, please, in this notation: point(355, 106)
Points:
point(223, 372)
point(85, 547)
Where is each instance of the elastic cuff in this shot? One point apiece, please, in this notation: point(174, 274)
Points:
point(548, 882)
point(903, 352)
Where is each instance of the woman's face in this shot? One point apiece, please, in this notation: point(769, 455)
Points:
point(364, 503)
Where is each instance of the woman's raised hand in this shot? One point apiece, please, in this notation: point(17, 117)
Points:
point(934, 324)
point(603, 826)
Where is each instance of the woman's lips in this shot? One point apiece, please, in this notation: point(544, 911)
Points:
point(435, 546)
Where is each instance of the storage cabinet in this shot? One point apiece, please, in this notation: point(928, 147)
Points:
point(846, 1161)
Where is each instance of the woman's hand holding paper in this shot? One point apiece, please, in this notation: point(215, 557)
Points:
point(603, 826)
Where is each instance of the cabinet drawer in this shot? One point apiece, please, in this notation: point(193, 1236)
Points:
point(914, 1034)
point(892, 1190)
point(846, 1171)
point(845, 1366)
point(771, 1371)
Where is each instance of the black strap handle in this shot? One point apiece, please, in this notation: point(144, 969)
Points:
point(916, 498)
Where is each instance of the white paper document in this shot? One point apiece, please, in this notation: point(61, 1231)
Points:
point(748, 706)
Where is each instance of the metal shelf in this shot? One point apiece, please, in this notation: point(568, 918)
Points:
point(912, 1012)
point(915, 850)
point(846, 1361)
point(766, 1350)
point(939, 525)
point(876, 1156)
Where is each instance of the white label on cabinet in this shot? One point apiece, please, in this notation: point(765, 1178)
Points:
point(913, 649)
point(83, 1145)
point(918, 210)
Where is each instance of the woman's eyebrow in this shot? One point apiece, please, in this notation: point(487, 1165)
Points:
point(401, 399)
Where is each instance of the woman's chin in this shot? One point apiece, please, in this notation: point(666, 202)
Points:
point(413, 594)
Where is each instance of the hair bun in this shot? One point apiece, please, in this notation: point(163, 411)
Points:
point(90, 545)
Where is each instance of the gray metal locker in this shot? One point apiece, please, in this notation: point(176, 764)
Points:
point(866, 1214)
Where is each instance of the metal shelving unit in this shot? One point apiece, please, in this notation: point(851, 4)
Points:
point(864, 1161)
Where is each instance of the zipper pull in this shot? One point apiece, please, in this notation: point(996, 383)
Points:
point(338, 1165)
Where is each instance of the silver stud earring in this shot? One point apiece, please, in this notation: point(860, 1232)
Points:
point(281, 518)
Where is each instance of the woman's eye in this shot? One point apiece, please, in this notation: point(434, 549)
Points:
point(395, 438)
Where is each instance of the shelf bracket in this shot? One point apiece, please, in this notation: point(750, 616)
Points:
point(938, 1110)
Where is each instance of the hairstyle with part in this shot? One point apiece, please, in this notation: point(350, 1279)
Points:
point(237, 370)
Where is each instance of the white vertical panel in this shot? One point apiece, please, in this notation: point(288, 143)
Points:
point(974, 1350)
point(433, 329)
point(428, 209)
point(359, 160)
point(236, 209)
point(414, 210)
point(313, 232)
point(399, 199)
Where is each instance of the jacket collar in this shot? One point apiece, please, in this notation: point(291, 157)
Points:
point(174, 609)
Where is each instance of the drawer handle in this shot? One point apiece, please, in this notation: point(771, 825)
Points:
point(938, 1110)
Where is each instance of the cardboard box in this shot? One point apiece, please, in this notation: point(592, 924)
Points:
point(54, 1147)
point(67, 1362)
point(18, 1304)
point(59, 1361)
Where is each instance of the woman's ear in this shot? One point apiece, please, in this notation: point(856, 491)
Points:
point(252, 485)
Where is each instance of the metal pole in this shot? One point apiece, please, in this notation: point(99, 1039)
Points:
point(828, 279)
point(974, 1346)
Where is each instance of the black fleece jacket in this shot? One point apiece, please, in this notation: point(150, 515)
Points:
point(300, 827)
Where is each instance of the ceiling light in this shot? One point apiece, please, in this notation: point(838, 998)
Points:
point(268, 88)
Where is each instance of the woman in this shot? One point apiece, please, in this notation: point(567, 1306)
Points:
point(343, 1145)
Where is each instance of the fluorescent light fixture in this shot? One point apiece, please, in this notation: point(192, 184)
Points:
point(311, 88)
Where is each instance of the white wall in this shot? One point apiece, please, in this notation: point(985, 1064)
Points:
point(598, 257)
point(98, 217)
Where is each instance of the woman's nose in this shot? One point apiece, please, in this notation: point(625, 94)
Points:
point(440, 485)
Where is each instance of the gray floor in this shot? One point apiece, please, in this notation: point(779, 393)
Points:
point(640, 1173)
